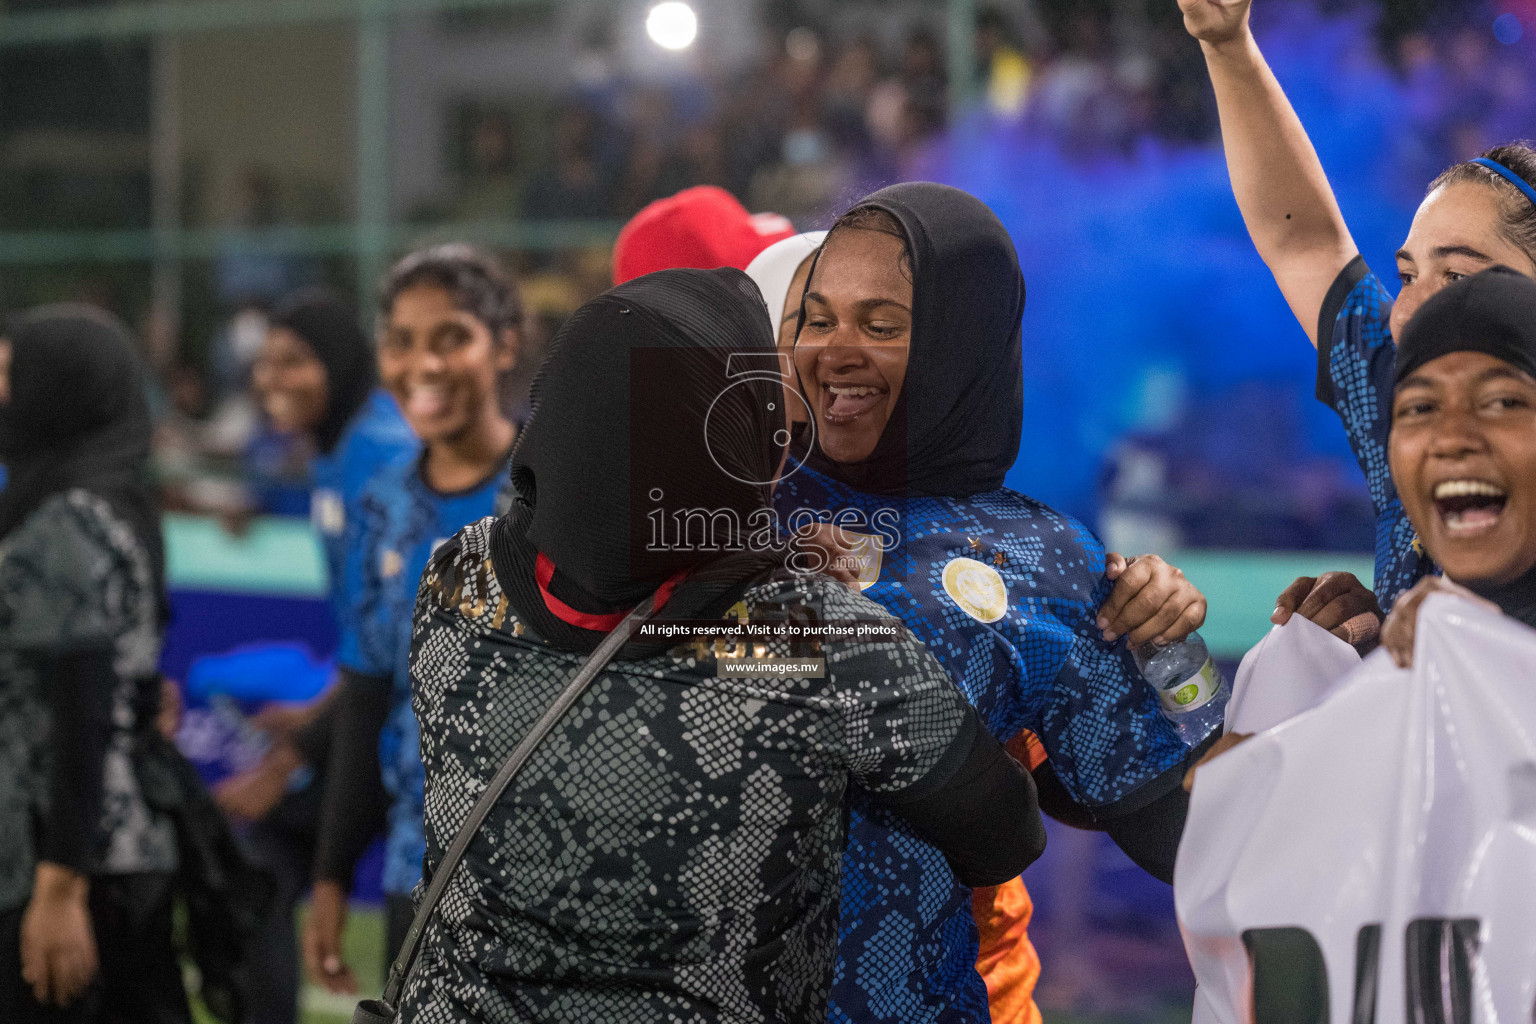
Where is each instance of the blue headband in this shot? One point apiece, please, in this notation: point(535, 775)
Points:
point(1508, 175)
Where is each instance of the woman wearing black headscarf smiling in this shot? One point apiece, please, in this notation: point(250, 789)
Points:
point(316, 381)
point(85, 862)
point(909, 356)
point(671, 851)
point(1463, 447)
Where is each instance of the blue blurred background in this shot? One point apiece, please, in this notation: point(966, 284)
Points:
point(185, 164)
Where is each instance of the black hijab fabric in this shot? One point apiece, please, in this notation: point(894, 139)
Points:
point(330, 328)
point(1493, 312)
point(77, 418)
point(641, 412)
point(1517, 599)
point(954, 430)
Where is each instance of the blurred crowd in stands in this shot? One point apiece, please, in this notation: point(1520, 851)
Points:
point(827, 116)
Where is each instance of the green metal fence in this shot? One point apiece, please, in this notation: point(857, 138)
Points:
point(373, 233)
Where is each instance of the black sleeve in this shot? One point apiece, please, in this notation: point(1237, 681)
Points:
point(79, 687)
point(1333, 303)
point(1150, 836)
point(313, 742)
point(1058, 803)
point(1149, 826)
point(983, 816)
point(353, 805)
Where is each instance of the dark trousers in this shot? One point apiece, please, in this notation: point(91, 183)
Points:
point(139, 980)
point(283, 843)
point(399, 911)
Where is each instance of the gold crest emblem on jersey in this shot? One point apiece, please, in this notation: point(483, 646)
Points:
point(977, 588)
point(390, 563)
point(868, 549)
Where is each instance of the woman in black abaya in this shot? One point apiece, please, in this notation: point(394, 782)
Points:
point(85, 863)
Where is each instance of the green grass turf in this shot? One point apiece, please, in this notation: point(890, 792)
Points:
point(363, 944)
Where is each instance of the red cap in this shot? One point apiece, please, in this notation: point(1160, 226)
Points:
point(703, 227)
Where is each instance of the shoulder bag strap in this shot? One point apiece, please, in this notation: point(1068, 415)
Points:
point(371, 1011)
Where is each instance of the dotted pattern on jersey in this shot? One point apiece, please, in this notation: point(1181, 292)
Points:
point(671, 852)
point(398, 521)
point(907, 939)
point(1361, 367)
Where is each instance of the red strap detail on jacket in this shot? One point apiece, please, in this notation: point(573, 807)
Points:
point(544, 571)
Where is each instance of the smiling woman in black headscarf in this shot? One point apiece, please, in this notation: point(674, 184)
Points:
point(910, 359)
point(85, 869)
point(671, 852)
point(315, 379)
point(1463, 447)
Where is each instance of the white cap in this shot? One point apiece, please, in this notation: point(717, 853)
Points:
point(774, 269)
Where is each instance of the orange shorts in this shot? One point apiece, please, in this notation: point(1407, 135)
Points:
point(1007, 961)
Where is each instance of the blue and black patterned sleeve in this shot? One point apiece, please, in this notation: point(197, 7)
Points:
point(1355, 368)
point(377, 441)
point(1107, 739)
point(368, 637)
point(920, 748)
point(353, 801)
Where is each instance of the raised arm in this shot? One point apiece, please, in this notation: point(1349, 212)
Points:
point(1281, 189)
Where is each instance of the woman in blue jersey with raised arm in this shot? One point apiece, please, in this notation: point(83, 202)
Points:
point(909, 356)
point(449, 332)
point(1476, 215)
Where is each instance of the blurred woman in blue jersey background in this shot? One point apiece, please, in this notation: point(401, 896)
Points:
point(449, 335)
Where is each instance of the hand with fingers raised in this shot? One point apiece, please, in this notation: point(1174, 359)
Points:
point(1215, 21)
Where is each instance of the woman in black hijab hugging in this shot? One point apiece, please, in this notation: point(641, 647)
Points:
point(909, 357)
point(85, 863)
point(672, 850)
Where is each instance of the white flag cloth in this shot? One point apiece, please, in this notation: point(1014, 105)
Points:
point(1290, 671)
point(1376, 854)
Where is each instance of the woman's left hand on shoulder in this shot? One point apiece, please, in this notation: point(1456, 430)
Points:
point(1152, 601)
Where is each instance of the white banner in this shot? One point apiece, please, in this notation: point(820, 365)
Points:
point(1372, 859)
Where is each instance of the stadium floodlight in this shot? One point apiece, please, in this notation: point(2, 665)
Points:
point(672, 25)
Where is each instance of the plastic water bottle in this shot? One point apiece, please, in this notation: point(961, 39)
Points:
point(1190, 688)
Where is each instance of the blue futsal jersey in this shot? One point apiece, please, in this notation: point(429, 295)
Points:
point(1356, 361)
point(1004, 592)
point(400, 521)
point(375, 437)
